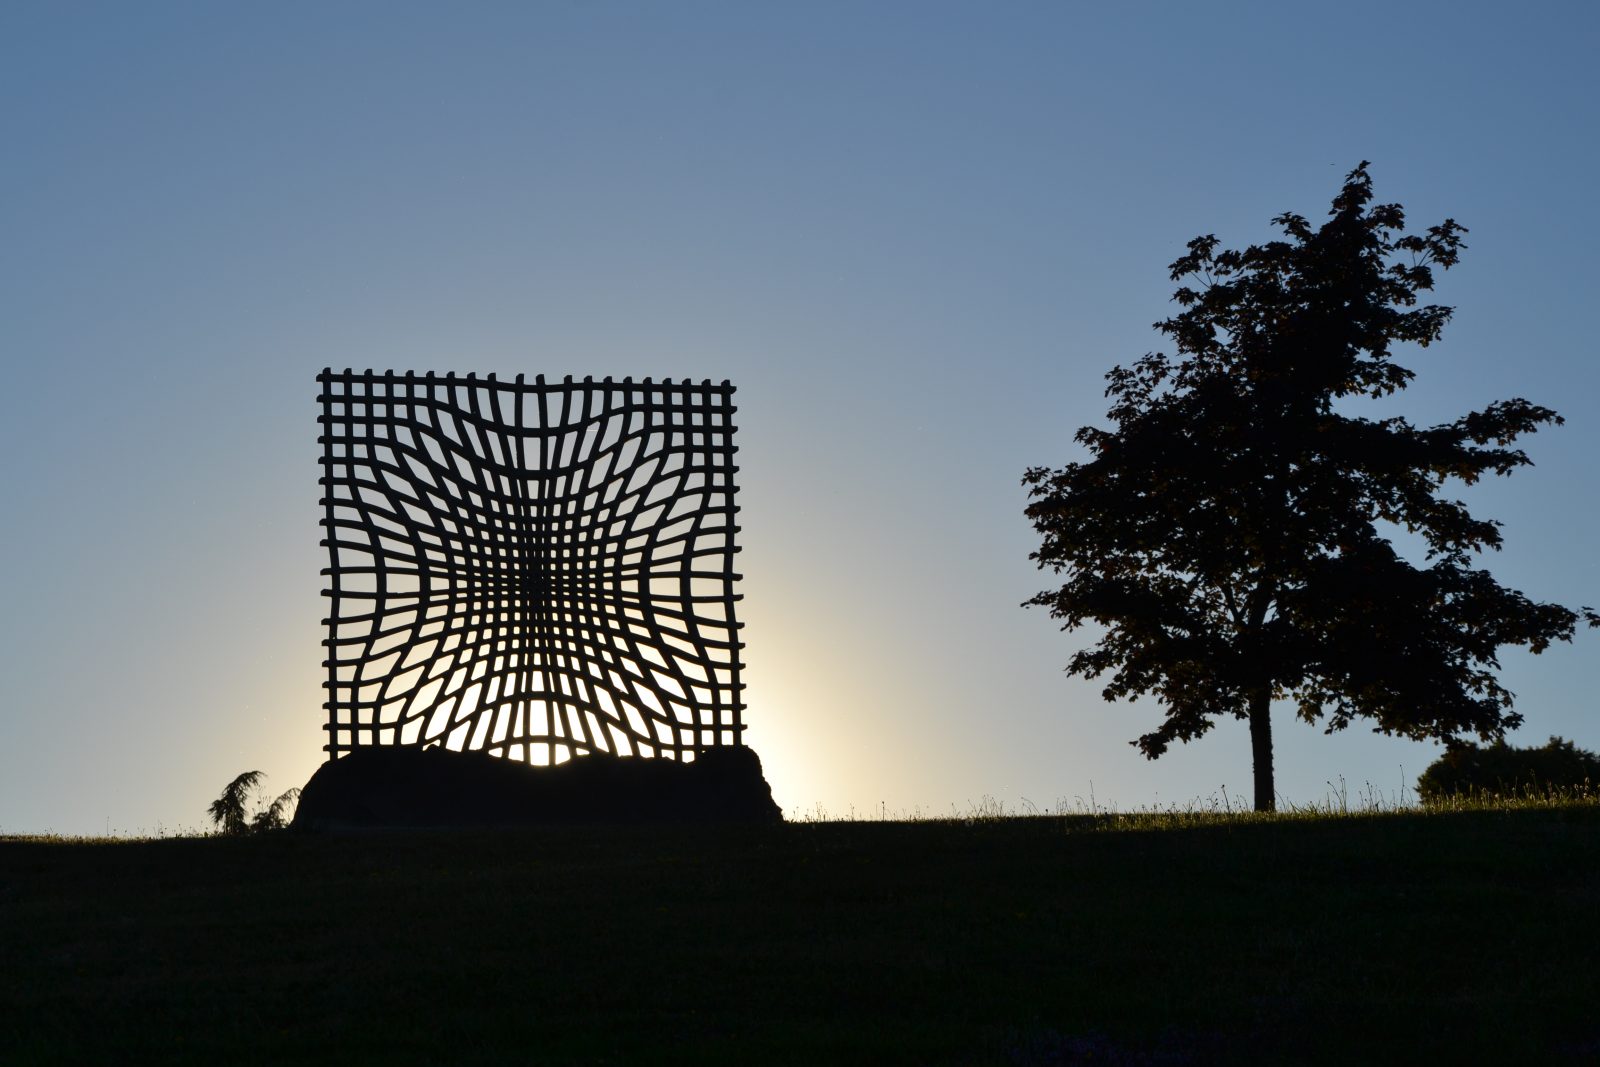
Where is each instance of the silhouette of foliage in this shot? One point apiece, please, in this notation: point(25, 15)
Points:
point(1225, 532)
point(228, 811)
point(275, 816)
point(1502, 768)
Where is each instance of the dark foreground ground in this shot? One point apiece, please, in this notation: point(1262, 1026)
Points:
point(1468, 938)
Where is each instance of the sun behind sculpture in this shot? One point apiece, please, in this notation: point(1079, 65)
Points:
point(533, 570)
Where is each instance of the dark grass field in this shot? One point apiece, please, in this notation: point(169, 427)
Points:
point(1470, 937)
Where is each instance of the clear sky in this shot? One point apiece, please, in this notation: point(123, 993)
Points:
point(914, 235)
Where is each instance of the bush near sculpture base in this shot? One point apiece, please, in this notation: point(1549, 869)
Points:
point(406, 787)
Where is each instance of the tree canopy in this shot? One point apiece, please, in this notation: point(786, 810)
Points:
point(1225, 531)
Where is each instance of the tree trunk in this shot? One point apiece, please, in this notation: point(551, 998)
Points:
point(1261, 747)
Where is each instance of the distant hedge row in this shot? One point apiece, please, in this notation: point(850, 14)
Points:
point(1502, 768)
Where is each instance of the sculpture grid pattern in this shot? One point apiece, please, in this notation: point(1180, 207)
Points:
point(529, 569)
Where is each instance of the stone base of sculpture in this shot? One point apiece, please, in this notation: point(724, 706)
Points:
point(402, 787)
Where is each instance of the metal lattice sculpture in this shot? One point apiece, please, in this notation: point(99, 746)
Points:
point(533, 570)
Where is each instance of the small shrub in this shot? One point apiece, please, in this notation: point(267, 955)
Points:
point(1504, 769)
point(275, 816)
point(228, 811)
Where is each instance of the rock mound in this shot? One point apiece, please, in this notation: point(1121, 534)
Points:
point(394, 787)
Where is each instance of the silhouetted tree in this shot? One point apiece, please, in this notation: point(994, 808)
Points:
point(1503, 768)
point(1225, 531)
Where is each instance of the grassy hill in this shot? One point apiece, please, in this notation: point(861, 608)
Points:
point(1472, 936)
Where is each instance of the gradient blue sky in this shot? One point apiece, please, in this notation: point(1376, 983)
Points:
point(915, 235)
